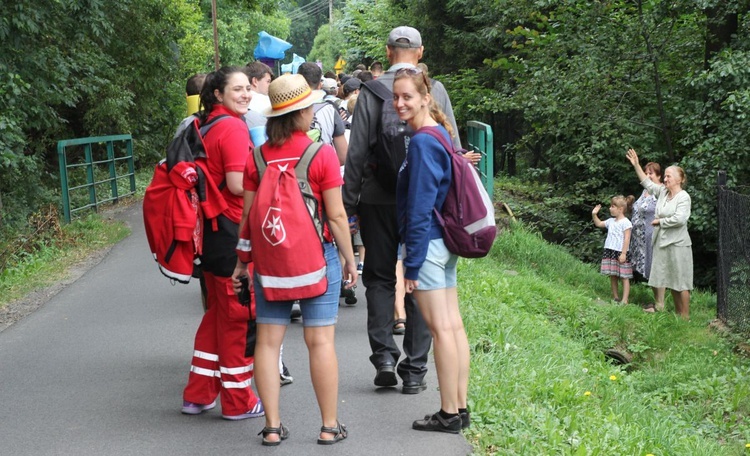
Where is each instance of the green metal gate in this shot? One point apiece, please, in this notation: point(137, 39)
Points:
point(94, 175)
point(480, 140)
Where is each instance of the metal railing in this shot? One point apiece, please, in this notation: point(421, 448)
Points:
point(97, 172)
point(480, 140)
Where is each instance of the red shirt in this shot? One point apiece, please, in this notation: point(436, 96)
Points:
point(324, 173)
point(228, 145)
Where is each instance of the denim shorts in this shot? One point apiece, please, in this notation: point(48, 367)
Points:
point(439, 267)
point(319, 311)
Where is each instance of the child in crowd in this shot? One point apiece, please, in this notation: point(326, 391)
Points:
point(616, 258)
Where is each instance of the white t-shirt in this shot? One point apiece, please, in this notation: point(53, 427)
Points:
point(616, 233)
point(259, 103)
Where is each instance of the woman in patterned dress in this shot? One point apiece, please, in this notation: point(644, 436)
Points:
point(641, 249)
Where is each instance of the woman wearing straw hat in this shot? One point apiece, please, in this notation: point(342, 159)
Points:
point(288, 122)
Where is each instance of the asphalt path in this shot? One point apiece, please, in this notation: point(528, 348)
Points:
point(99, 369)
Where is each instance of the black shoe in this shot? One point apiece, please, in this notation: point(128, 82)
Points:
point(414, 387)
point(386, 376)
point(296, 311)
point(465, 420)
point(438, 424)
point(285, 377)
point(348, 295)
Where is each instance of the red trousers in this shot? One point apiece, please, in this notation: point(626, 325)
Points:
point(219, 362)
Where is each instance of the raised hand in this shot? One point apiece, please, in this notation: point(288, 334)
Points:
point(632, 157)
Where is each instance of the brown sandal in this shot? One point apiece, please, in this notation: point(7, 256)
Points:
point(281, 431)
point(339, 434)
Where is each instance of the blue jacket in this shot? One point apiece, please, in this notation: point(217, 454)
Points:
point(423, 182)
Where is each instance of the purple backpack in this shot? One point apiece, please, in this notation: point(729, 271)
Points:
point(468, 216)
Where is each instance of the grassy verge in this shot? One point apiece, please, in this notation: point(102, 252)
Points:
point(539, 322)
point(50, 261)
point(35, 261)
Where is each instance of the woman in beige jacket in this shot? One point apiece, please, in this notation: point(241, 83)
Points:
point(672, 263)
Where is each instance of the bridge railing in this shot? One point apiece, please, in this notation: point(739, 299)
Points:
point(480, 140)
point(92, 171)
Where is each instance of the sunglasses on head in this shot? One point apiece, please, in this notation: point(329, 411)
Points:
point(412, 71)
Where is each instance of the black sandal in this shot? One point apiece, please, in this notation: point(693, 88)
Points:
point(339, 434)
point(399, 327)
point(281, 431)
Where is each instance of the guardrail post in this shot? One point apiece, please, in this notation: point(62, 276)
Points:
point(481, 140)
point(62, 160)
point(112, 171)
point(90, 175)
point(131, 165)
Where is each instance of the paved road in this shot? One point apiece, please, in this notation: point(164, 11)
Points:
point(100, 368)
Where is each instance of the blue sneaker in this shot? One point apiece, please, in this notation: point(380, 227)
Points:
point(256, 412)
point(191, 408)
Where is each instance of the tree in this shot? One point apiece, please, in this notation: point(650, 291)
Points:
point(326, 47)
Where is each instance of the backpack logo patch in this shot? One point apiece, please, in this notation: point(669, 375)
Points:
point(273, 228)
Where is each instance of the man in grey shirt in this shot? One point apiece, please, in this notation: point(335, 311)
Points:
point(375, 208)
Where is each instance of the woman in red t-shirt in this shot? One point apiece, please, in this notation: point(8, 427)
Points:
point(220, 364)
point(288, 123)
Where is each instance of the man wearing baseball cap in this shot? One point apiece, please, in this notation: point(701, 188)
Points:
point(375, 207)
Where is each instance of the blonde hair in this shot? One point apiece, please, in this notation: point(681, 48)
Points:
point(423, 86)
point(681, 172)
point(623, 202)
point(351, 103)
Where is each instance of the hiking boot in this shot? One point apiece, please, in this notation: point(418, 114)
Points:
point(256, 412)
point(191, 408)
point(438, 424)
point(286, 377)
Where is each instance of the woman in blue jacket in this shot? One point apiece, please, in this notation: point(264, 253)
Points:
point(429, 268)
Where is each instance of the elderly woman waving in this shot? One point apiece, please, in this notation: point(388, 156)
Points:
point(672, 263)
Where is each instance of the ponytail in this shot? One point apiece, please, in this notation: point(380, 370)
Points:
point(440, 117)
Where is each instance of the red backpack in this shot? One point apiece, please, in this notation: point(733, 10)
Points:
point(285, 231)
point(180, 193)
point(468, 216)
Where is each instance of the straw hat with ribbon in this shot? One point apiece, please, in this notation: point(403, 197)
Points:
point(289, 93)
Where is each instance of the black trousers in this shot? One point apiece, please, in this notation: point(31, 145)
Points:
point(379, 229)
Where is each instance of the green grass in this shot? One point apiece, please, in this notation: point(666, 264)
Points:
point(539, 322)
point(50, 261)
point(47, 255)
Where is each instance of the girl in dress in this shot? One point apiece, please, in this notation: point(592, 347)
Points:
point(616, 258)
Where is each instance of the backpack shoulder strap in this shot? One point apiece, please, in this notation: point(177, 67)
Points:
point(432, 131)
point(204, 129)
point(435, 133)
point(379, 89)
point(306, 158)
point(302, 171)
point(260, 161)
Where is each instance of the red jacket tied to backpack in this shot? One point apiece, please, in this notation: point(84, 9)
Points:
point(179, 196)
